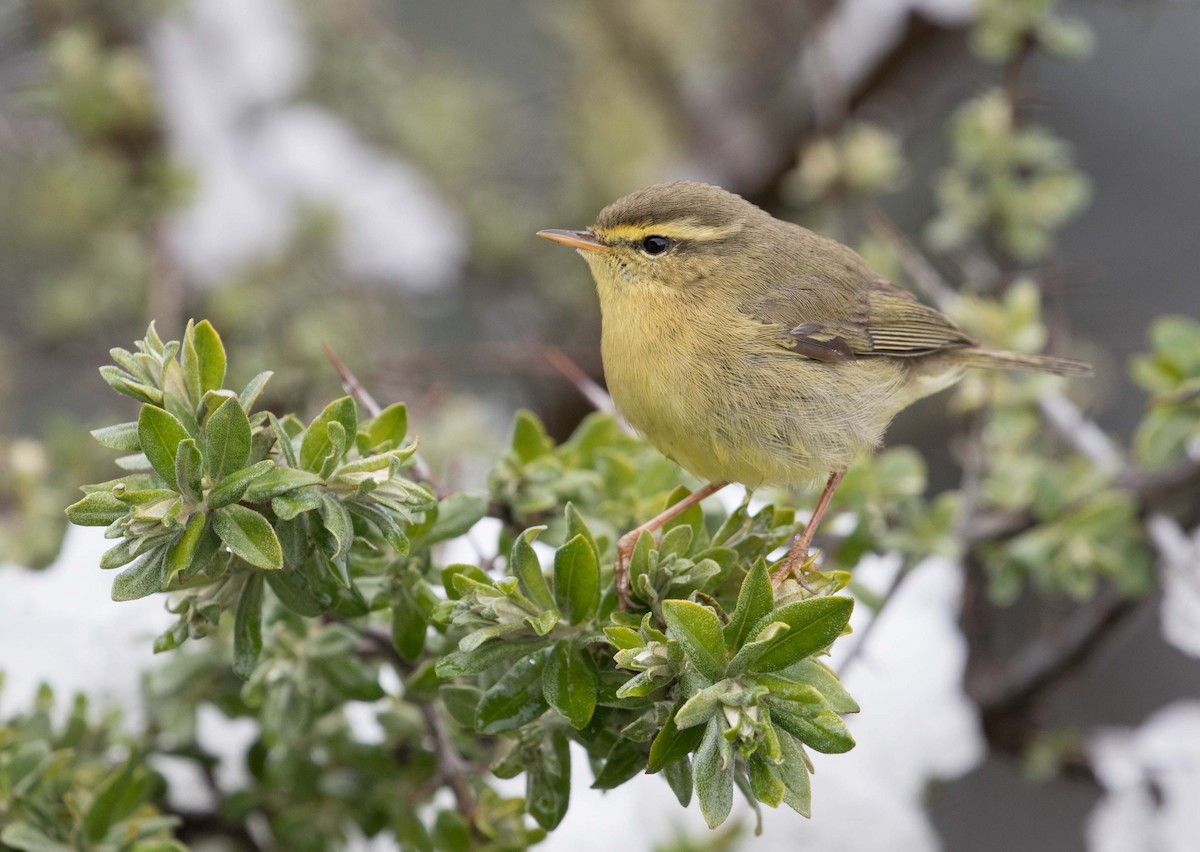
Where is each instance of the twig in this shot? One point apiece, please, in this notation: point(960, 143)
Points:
point(351, 383)
point(452, 768)
point(353, 387)
point(1042, 663)
point(1084, 435)
point(923, 273)
point(864, 634)
point(591, 391)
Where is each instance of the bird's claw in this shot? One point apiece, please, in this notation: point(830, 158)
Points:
point(795, 565)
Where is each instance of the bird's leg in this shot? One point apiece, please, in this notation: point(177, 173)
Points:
point(797, 554)
point(627, 542)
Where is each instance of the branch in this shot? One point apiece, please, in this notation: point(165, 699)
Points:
point(354, 387)
point(591, 391)
point(916, 265)
point(452, 769)
point(1006, 696)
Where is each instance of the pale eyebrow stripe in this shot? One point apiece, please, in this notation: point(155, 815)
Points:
point(680, 230)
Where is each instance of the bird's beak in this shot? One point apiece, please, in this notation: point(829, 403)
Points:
point(582, 240)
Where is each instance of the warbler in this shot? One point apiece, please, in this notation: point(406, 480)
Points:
point(748, 349)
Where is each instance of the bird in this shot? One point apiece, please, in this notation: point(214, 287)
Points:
point(751, 350)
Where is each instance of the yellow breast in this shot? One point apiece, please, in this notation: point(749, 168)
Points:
point(727, 403)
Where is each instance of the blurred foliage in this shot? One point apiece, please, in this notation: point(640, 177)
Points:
point(1171, 372)
point(1010, 181)
point(78, 783)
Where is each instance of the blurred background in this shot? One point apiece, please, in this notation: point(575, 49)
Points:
point(370, 173)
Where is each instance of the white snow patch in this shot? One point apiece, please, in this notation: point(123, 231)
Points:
point(229, 72)
point(1152, 780)
point(60, 626)
point(1180, 571)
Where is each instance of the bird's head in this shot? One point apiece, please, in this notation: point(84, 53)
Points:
point(676, 235)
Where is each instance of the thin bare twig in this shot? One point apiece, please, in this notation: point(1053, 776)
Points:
point(351, 383)
point(918, 267)
point(863, 635)
point(354, 387)
point(452, 768)
point(591, 391)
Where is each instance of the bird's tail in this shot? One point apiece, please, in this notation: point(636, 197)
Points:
point(996, 359)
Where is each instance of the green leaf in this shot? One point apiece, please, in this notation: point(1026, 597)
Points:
point(121, 383)
point(756, 599)
point(253, 389)
point(183, 551)
point(159, 435)
point(145, 577)
point(190, 364)
point(278, 481)
point(460, 702)
point(823, 730)
point(210, 353)
point(529, 439)
point(249, 535)
point(408, 625)
point(123, 437)
point(524, 565)
point(456, 515)
point(576, 525)
point(679, 777)
point(673, 744)
point(515, 699)
point(189, 469)
point(459, 663)
point(703, 705)
point(817, 675)
point(570, 683)
point(765, 780)
point(283, 438)
point(294, 503)
point(698, 631)
point(387, 429)
point(624, 638)
point(811, 625)
point(23, 836)
point(548, 782)
point(247, 627)
point(232, 488)
point(226, 440)
point(451, 833)
point(111, 802)
point(319, 446)
point(294, 592)
point(98, 509)
point(794, 771)
point(624, 760)
point(712, 770)
point(576, 580)
point(336, 519)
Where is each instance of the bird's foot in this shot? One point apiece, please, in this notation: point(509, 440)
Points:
point(796, 565)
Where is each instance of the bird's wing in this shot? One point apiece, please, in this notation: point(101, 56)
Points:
point(839, 323)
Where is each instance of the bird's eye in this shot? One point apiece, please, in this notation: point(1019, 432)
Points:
point(655, 244)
